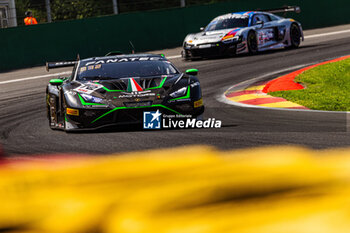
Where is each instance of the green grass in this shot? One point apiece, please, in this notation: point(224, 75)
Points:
point(327, 88)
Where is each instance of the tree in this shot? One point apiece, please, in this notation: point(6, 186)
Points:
point(79, 9)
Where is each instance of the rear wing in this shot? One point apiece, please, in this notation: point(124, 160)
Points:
point(61, 64)
point(285, 9)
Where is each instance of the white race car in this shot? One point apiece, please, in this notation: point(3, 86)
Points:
point(244, 32)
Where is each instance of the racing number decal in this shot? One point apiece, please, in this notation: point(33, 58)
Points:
point(265, 36)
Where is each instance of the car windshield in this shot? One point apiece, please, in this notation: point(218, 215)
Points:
point(227, 23)
point(125, 70)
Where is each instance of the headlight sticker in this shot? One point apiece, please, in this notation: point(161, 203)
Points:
point(72, 112)
point(198, 103)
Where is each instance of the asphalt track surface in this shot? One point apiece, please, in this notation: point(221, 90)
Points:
point(24, 128)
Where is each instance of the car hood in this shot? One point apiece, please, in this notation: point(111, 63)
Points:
point(126, 89)
point(210, 36)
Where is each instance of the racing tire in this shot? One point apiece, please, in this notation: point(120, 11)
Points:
point(49, 116)
point(252, 43)
point(184, 56)
point(53, 127)
point(294, 36)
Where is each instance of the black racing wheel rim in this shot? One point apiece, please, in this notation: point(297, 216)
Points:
point(295, 35)
point(252, 43)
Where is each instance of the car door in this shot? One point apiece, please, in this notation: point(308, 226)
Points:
point(265, 31)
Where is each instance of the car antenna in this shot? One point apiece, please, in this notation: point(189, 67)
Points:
point(132, 46)
point(78, 57)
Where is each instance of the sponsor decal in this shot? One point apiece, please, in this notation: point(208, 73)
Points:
point(231, 34)
point(265, 36)
point(125, 59)
point(88, 88)
point(83, 90)
point(204, 46)
point(157, 120)
point(190, 123)
point(152, 120)
point(82, 69)
point(195, 84)
point(73, 112)
point(136, 94)
point(65, 63)
point(198, 103)
point(179, 100)
point(133, 86)
point(232, 16)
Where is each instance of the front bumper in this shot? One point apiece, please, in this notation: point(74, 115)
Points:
point(209, 50)
point(98, 118)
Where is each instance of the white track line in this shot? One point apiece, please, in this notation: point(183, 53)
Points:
point(171, 57)
point(327, 34)
point(35, 77)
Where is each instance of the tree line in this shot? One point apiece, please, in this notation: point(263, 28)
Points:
point(79, 9)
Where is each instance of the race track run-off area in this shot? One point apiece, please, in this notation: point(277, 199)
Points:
point(24, 127)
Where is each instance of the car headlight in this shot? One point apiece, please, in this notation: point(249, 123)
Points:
point(188, 44)
point(179, 93)
point(91, 99)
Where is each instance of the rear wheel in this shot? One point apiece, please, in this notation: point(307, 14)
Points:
point(252, 42)
point(295, 35)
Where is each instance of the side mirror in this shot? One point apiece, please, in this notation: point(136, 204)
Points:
point(260, 23)
point(56, 82)
point(192, 71)
point(202, 29)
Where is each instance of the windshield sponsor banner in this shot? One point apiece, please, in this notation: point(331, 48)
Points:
point(157, 120)
point(124, 59)
point(232, 16)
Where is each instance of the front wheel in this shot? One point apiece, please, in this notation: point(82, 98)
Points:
point(252, 43)
point(295, 35)
point(184, 56)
